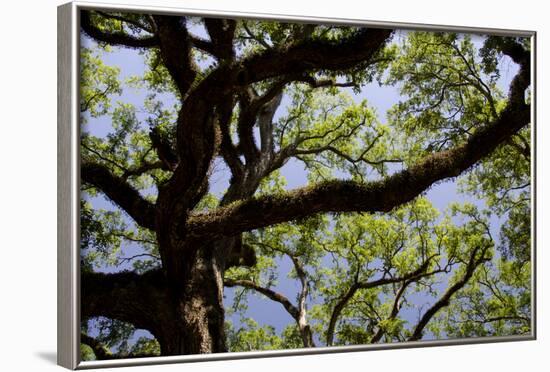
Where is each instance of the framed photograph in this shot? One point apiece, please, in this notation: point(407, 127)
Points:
point(235, 185)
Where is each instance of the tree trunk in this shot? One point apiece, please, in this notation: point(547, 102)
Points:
point(198, 327)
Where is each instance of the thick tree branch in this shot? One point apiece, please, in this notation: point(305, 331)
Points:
point(259, 109)
point(227, 149)
point(121, 193)
point(265, 123)
point(198, 140)
point(202, 44)
point(378, 196)
point(114, 38)
point(320, 83)
point(310, 55)
point(348, 196)
point(164, 149)
point(222, 32)
point(247, 119)
point(141, 300)
point(175, 49)
point(144, 27)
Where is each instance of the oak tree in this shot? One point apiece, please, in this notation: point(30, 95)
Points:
point(362, 242)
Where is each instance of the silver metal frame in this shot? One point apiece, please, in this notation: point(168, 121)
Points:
point(68, 184)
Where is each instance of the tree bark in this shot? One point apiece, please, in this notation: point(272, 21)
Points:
point(200, 307)
point(182, 304)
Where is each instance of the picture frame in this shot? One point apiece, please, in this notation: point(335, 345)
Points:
point(69, 163)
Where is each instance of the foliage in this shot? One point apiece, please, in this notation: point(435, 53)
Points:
point(346, 278)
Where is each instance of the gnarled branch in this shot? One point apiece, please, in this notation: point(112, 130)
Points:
point(222, 32)
point(114, 38)
point(120, 192)
point(175, 50)
point(378, 196)
point(349, 196)
point(138, 299)
point(227, 149)
point(311, 54)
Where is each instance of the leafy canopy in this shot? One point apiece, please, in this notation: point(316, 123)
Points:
point(351, 278)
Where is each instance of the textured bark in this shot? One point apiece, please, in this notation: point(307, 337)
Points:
point(119, 38)
point(201, 305)
point(175, 50)
point(186, 317)
point(142, 300)
point(310, 55)
point(349, 196)
point(120, 192)
point(182, 303)
point(197, 301)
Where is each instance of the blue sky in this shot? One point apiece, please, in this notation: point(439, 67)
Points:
point(264, 311)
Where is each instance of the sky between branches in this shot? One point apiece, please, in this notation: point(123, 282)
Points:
point(381, 98)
